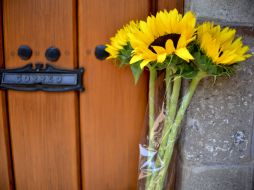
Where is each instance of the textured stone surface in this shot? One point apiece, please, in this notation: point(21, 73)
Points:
point(216, 178)
point(225, 10)
point(217, 139)
point(219, 124)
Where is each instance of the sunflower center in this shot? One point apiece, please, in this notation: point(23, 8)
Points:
point(161, 41)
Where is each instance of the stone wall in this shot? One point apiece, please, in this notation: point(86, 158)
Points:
point(216, 147)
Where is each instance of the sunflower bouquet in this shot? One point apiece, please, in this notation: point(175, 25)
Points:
point(171, 43)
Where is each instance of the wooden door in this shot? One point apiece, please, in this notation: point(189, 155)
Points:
point(71, 140)
point(112, 109)
point(43, 126)
point(6, 174)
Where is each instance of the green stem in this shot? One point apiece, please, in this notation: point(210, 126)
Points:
point(152, 78)
point(174, 131)
point(169, 109)
point(168, 83)
point(171, 106)
point(173, 101)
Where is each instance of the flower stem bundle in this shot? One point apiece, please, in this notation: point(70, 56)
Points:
point(152, 79)
point(172, 43)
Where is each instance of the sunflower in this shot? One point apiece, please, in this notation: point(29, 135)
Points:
point(120, 40)
point(220, 44)
point(165, 34)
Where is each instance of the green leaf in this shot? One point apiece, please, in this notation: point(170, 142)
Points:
point(205, 64)
point(136, 71)
point(183, 68)
point(125, 54)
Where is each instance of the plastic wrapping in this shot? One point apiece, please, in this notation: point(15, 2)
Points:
point(151, 162)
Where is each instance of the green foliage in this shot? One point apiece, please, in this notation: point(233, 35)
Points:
point(183, 68)
point(205, 64)
point(161, 66)
point(180, 67)
point(124, 55)
point(136, 71)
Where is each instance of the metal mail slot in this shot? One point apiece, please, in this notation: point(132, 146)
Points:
point(29, 78)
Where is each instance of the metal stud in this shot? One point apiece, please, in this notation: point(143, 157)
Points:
point(24, 52)
point(52, 54)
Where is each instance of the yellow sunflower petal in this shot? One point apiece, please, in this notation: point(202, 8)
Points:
point(248, 55)
point(181, 42)
point(227, 59)
point(113, 52)
point(184, 54)
point(189, 19)
point(135, 59)
point(159, 49)
point(121, 39)
point(144, 63)
point(160, 32)
point(219, 44)
point(161, 57)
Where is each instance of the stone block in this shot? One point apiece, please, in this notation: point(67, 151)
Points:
point(219, 121)
point(215, 178)
point(223, 10)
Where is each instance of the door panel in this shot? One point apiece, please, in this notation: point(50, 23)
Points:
point(44, 126)
point(112, 108)
point(5, 158)
point(6, 182)
point(170, 4)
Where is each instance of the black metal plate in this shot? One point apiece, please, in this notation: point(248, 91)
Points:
point(49, 78)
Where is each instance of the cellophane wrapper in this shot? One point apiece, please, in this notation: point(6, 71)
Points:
point(148, 156)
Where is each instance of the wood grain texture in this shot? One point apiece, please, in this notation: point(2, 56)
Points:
point(44, 126)
point(6, 175)
point(171, 4)
point(112, 109)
